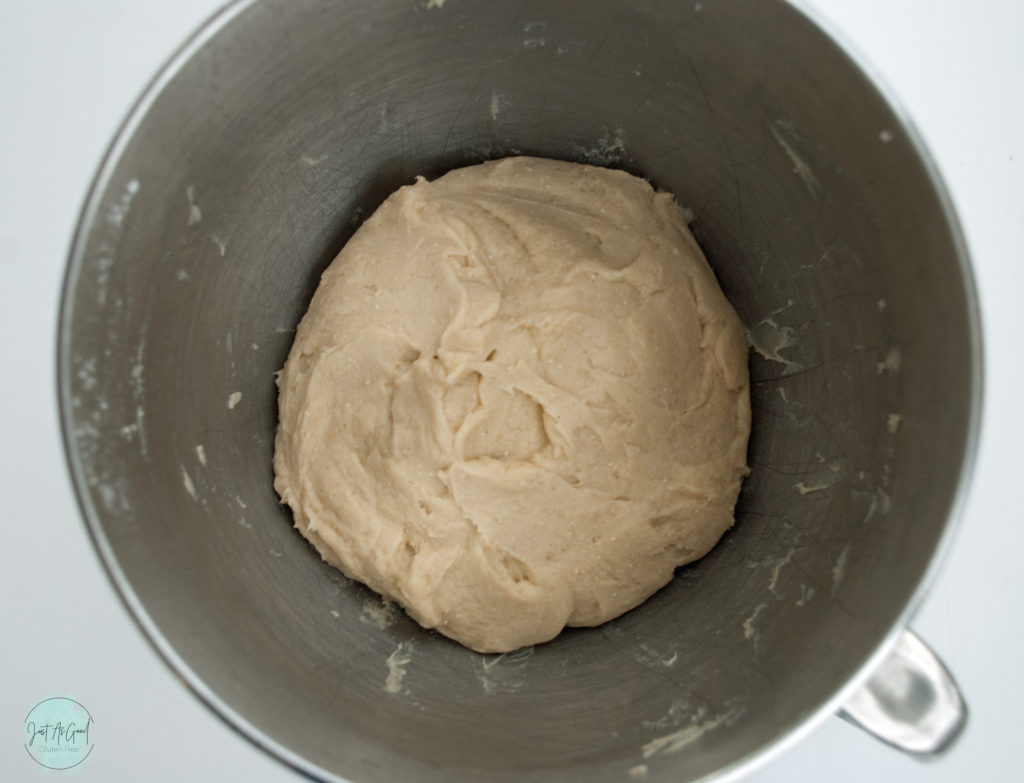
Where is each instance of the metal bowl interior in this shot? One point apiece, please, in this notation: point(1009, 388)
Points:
point(252, 159)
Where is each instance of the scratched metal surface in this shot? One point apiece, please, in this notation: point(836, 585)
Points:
point(249, 167)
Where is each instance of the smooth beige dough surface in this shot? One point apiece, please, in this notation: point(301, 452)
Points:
point(517, 402)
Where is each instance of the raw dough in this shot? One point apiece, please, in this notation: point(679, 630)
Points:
point(518, 401)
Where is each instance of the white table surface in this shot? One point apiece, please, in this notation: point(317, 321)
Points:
point(70, 69)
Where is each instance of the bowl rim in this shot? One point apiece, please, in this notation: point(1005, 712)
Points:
point(739, 768)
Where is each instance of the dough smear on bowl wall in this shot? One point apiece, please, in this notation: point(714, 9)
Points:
point(518, 401)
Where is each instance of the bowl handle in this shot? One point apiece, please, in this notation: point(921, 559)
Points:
point(911, 702)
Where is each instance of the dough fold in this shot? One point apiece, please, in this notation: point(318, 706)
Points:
point(518, 401)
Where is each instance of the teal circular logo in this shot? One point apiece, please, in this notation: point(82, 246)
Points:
point(58, 733)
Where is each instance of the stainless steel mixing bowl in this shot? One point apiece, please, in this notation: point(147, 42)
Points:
point(253, 157)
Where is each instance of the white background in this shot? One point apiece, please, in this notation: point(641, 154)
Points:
point(69, 71)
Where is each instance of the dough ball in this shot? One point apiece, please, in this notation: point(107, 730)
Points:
point(517, 402)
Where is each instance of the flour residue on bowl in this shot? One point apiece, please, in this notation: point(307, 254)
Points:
point(503, 673)
point(839, 569)
point(195, 214)
point(750, 631)
point(311, 161)
point(821, 479)
point(608, 148)
point(233, 399)
point(654, 658)
point(140, 428)
point(113, 499)
point(775, 587)
point(768, 339)
point(138, 369)
point(892, 423)
point(777, 565)
point(396, 663)
point(137, 384)
point(532, 35)
point(120, 208)
point(806, 595)
point(379, 612)
point(186, 481)
point(103, 265)
point(498, 104)
point(678, 712)
point(677, 740)
point(890, 365)
point(878, 503)
point(807, 489)
point(800, 166)
point(87, 374)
